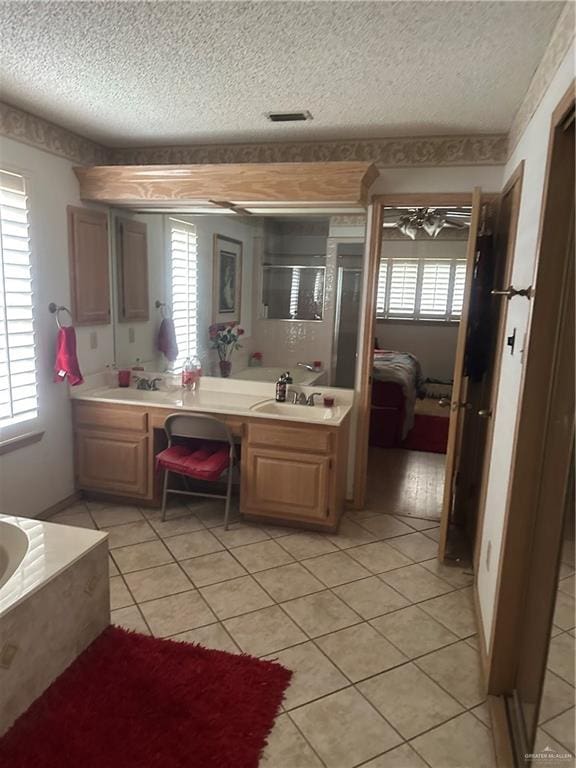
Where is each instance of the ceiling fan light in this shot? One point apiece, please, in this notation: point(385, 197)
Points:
point(434, 224)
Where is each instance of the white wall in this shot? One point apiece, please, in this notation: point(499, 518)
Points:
point(450, 179)
point(433, 345)
point(35, 477)
point(532, 148)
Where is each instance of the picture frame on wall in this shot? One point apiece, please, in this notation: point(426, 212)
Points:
point(227, 279)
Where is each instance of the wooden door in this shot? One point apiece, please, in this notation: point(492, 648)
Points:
point(112, 462)
point(293, 485)
point(132, 258)
point(460, 386)
point(89, 269)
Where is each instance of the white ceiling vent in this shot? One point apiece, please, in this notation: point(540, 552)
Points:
point(288, 117)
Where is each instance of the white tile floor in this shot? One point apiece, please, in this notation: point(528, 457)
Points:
point(373, 627)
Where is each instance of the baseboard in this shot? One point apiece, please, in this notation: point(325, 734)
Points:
point(501, 732)
point(484, 656)
point(59, 506)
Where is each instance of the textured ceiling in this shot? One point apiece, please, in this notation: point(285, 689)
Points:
point(127, 73)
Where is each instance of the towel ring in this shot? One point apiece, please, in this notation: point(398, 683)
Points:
point(163, 307)
point(55, 310)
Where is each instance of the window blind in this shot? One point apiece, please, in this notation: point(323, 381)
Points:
point(184, 272)
point(420, 288)
point(18, 386)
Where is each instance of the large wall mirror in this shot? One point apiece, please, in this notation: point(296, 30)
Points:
point(291, 283)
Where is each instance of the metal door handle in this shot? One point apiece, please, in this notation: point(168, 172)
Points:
point(445, 403)
point(485, 413)
point(510, 292)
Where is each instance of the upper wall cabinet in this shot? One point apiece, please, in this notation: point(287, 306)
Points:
point(132, 255)
point(242, 187)
point(89, 269)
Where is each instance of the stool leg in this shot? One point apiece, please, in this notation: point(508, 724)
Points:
point(164, 494)
point(228, 495)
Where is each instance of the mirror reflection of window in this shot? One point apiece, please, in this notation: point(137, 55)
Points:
point(293, 292)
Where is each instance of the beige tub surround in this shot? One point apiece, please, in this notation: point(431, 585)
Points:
point(54, 603)
point(294, 458)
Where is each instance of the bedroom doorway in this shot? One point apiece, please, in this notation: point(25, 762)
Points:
point(419, 298)
point(435, 327)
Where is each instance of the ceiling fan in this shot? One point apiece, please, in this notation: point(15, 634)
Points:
point(431, 220)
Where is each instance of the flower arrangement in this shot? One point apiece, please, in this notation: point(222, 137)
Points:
point(224, 339)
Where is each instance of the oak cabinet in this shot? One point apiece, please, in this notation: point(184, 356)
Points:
point(287, 484)
point(132, 263)
point(89, 267)
point(112, 462)
point(294, 473)
point(290, 473)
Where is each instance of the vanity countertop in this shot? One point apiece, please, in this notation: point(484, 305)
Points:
point(240, 404)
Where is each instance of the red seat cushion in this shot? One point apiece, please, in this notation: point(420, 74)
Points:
point(204, 462)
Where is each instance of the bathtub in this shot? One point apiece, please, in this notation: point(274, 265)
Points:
point(13, 548)
point(54, 601)
point(272, 374)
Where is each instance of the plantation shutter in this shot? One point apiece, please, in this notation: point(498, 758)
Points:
point(184, 270)
point(403, 284)
point(18, 388)
point(458, 290)
point(381, 291)
point(435, 288)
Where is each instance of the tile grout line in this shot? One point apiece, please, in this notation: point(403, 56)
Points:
point(313, 639)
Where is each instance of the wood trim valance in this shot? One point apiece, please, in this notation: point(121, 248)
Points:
point(240, 185)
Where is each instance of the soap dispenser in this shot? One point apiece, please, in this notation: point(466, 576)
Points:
point(281, 388)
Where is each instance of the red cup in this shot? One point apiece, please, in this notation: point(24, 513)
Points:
point(124, 378)
point(328, 402)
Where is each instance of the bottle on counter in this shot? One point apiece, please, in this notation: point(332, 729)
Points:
point(281, 389)
point(197, 371)
point(187, 375)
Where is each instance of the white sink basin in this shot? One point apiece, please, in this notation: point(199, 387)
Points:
point(317, 413)
point(138, 395)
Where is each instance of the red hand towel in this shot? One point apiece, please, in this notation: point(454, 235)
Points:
point(166, 342)
point(66, 363)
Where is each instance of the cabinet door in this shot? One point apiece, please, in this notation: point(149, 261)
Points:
point(285, 484)
point(132, 256)
point(112, 463)
point(89, 272)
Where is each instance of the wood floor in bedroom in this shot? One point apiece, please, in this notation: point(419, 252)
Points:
point(402, 482)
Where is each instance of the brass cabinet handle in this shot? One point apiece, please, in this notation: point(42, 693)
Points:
point(485, 413)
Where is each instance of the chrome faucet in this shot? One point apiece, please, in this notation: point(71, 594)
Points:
point(150, 385)
point(299, 398)
point(307, 366)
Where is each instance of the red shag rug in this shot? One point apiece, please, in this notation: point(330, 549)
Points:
point(131, 701)
point(429, 433)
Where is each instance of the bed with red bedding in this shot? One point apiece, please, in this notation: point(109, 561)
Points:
point(396, 383)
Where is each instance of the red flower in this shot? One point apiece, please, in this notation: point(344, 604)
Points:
point(240, 331)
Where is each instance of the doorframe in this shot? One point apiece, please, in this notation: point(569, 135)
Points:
point(516, 180)
point(527, 456)
point(368, 316)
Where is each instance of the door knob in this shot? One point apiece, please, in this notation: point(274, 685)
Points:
point(510, 292)
point(445, 403)
point(485, 413)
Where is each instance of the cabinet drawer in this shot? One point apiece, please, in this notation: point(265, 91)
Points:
point(111, 417)
point(112, 463)
point(290, 438)
point(288, 485)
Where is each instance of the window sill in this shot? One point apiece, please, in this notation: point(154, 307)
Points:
point(415, 321)
point(15, 443)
